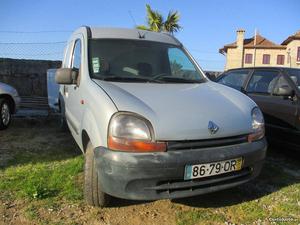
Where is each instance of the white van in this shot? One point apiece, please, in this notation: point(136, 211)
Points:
point(149, 122)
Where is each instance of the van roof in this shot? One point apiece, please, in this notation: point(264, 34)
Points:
point(133, 34)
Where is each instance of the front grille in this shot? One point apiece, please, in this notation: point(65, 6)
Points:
point(196, 144)
point(172, 186)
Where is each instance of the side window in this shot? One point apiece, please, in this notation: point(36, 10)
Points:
point(262, 82)
point(295, 76)
point(76, 57)
point(180, 65)
point(234, 79)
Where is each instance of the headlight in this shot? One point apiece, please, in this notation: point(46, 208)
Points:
point(258, 125)
point(130, 132)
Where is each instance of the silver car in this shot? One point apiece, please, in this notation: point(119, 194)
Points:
point(9, 103)
point(150, 123)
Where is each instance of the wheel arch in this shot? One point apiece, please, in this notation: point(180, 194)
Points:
point(84, 139)
point(11, 102)
point(90, 131)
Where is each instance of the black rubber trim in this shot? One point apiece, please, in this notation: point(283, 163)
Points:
point(185, 184)
point(88, 31)
point(196, 144)
point(136, 176)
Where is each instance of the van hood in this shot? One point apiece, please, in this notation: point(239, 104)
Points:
point(183, 111)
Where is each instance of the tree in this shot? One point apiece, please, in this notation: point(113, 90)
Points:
point(156, 22)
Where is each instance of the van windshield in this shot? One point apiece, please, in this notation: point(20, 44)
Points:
point(140, 61)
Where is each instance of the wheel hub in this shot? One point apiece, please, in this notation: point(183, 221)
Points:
point(5, 114)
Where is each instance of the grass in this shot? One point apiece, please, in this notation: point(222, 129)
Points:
point(44, 180)
point(275, 194)
point(202, 215)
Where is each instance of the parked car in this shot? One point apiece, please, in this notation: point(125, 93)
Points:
point(9, 102)
point(149, 122)
point(277, 92)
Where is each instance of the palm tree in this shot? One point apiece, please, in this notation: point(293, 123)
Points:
point(171, 24)
point(156, 21)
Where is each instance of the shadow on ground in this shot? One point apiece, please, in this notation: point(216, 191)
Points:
point(35, 140)
point(280, 170)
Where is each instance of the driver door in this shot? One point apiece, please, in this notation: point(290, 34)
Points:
point(73, 98)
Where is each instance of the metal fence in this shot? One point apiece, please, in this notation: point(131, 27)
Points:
point(25, 59)
point(26, 56)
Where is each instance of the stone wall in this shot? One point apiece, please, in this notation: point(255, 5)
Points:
point(29, 77)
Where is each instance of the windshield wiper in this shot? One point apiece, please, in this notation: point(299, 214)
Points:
point(126, 79)
point(173, 79)
point(162, 78)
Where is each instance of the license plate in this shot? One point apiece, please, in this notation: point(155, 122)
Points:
point(212, 169)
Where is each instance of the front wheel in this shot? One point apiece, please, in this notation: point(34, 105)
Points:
point(93, 194)
point(5, 114)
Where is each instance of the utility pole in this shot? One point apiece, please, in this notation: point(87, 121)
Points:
point(254, 57)
point(289, 57)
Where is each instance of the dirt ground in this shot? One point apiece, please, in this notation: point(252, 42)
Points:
point(34, 135)
point(29, 135)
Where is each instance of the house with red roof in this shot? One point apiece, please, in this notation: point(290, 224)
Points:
point(259, 51)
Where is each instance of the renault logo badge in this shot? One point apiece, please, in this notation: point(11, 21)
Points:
point(212, 127)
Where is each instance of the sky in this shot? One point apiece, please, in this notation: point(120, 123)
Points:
point(207, 25)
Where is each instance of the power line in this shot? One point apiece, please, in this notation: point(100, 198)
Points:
point(133, 20)
point(206, 52)
point(32, 43)
point(35, 32)
point(38, 54)
point(209, 60)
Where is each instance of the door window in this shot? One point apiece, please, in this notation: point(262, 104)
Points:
point(294, 74)
point(234, 79)
point(262, 82)
point(76, 58)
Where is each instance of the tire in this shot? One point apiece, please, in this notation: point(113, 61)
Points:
point(93, 194)
point(5, 114)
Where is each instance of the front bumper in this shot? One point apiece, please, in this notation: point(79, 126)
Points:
point(151, 176)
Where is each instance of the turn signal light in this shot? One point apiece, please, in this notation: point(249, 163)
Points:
point(256, 136)
point(127, 145)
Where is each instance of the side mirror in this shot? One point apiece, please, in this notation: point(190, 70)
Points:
point(66, 76)
point(284, 90)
